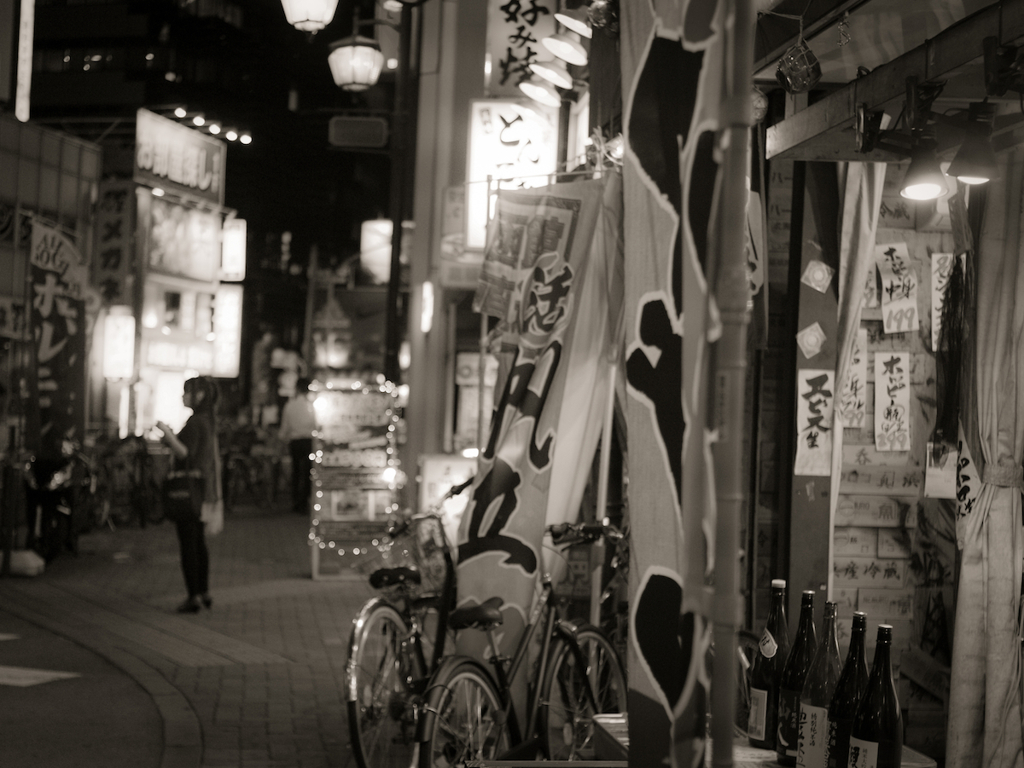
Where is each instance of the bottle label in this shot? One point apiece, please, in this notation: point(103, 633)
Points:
point(789, 714)
point(758, 714)
point(810, 751)
point(863, 754)
point(768, 645)
point(838, 747)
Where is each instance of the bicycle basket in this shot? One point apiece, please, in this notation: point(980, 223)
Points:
point(421, 546)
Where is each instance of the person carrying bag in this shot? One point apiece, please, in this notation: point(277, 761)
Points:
point(192, 490)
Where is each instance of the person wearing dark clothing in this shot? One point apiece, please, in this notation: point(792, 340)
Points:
point(195, 447)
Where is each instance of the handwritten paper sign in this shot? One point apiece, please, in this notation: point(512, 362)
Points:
point(893, 542)
point(899, 288)
point(875, 511)
point(814, 423)
point(855, 542)
point(882, 481)
point(869, 572)
point(871, 290)
point(883, 604)
point(892, 401)
point(940, 473)
point(866, 455)
point(942, 269)
point(852, 403)
point(968, 486)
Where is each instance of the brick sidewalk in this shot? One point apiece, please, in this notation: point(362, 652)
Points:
point(256, 681)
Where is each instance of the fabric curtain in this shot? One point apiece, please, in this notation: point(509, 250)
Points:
point(985, 690)
point(862, 184)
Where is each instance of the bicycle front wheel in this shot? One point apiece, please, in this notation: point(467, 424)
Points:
point(468, 719)
point(583, 679)
point(381, 710)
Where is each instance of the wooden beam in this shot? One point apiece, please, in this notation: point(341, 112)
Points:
point(826, 129)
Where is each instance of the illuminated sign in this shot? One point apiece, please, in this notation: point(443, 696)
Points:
point(197, 355)
point(232, 252)
point(23, 85)
point(177, 159)
point(227, 331)
point(183, 241)
point(513, 144)
point(119, 344)
point(514, 35)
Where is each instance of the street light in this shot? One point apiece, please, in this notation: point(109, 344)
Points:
point(309, 15)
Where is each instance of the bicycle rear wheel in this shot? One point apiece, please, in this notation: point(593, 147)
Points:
point(466, 718)
point(582, 680)
point(381, 711)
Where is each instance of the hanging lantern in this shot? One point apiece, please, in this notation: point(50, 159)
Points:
point(309, 15)
point(799, 69)
point(356, 63)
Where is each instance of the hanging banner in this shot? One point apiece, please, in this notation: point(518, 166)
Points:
point(942, 269)
point(514, 34)
point(892, 401)
point(560, 245)
point(813, 423)
point(968, 486)
point(899, 288)
point(59, 286)
point(113, 268)
point(672, 70)
point(853, 402)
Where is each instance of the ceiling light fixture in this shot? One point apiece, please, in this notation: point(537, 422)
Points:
point(555, 72)
point(575, 19)
point(214, 128)
point(199, 120)
point(567, 47)
point(541, 91)
point(180, 112)
point(231, 134)
point(975, 161)
point(925, 179)
point(245, 138)
point(309, 15)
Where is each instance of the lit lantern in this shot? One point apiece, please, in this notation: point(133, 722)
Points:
point(356, 62)
point(309, 15)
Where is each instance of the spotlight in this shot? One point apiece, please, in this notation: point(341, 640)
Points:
point(245, 138)
point(214, 128)
point(566, 48)
point(975, 162)
point(198, 120)
point(541, 91)
point(575, 19)
point(554, 72)
point(231, 134)
point(180, 112)
point(925, 179)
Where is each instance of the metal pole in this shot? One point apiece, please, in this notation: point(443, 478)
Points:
point(730, 371)
point(392, 331)
point(597, 549)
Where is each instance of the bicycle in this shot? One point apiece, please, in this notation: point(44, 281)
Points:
point(468, 712)
point(127, 489)
point(398, 637)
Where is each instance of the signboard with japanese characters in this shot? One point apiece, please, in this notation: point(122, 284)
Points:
point(113, 266)
point(814, 423)
point(515, 29)
point(183, 241)
point(12, 317)
point(512, 143)
point(853, 402)
point(892, 401)
point(899, 288)
point(176, 159)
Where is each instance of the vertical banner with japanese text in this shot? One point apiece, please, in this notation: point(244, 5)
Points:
point(113, 268)
point(554, 250)
point(672, 62)
point(514, 33)
point(59, 287)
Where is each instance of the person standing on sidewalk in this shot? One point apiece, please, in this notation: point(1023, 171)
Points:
point(197, 443)
point(298, 423)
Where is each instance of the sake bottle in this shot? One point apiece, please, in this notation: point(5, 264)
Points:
point(876, 740)
point(817, 694)
point(766, 671)
point(849, 691)
point(792, 683)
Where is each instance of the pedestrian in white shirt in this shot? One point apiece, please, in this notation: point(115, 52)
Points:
point(298, 422)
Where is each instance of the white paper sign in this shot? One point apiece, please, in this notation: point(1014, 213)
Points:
point(940, 473)
point(899, 288)
point(892, 401)
point(968, 486)
point(871, 290)
point(814, 423)
point(852, 404)
point(942, 268)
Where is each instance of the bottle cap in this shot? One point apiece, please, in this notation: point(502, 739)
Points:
point(778, 583)
point(860, 620)
point(885, 631)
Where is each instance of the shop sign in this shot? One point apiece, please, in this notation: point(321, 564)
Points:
point(112, 268)
point(232, 254)
point(177, 159)
point(119, 344)
point(514, 33)
point(227, 331)
point(197, 356)
point(513, 144)
point(12, 318)
point(183, 241)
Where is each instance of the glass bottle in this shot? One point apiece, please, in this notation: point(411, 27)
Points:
point(766, 671)
point(849, 691)
point(817, 693)
point(792, 683)
point(876, 740)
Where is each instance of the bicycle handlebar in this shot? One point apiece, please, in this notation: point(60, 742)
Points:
point(571, 533)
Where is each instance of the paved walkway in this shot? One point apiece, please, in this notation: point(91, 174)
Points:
point(256, 681)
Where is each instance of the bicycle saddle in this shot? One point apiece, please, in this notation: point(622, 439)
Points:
point(484, 616)
point(391, 577)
